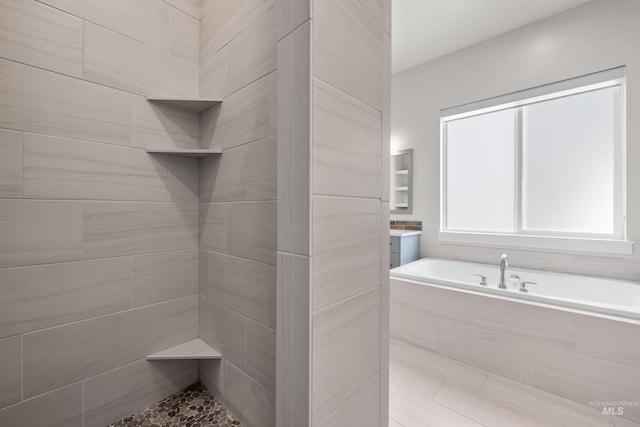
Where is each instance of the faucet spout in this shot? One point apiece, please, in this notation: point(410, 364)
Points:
point(504, 263)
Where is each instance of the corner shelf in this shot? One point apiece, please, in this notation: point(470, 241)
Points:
point(194, 349)
point(185, 152)
point(197, 105)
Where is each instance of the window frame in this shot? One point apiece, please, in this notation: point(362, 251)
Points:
point(614, 243)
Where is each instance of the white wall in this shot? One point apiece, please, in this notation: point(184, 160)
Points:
point(593, 37)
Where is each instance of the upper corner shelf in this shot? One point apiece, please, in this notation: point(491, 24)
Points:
point(185, 152)
point(196, 105)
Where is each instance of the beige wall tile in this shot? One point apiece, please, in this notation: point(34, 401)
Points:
point(164, 276)
point(224, 330)
point(60, 408)
point(346, 145)
point(118, 393)
point(212, 375)
point(347, 49)
point(222, 21)
point(608, 339)
point(292, 13)
point(261, 355)
point(10, 371)
point(65, 354)
point(112, 228)
point(10, 164)
point(247, 172)
point(183, 320)
point(192, 7)
point(247, 397)
point(35, 100)
point(119, 62)
point(294, 142)
point(62, 168)
point(39, 232)
point(375, 7)
point(143, 20)
point(251, 231)
point(213, 75)
point(247, 115)
point(159, 126)
point(385, 285)
point(344, 333)
point(252, 54)
point(385, 147)
point(346, 251)
point(184, 179)
point(49, 295)
point(213, 227)
point(185, 36)
point(247, 287)
point(361, 408)
point(203, 274)
point(412, 296)
point(41, 36)
point(386, 16)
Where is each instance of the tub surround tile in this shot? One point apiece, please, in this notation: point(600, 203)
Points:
point(252, 54)
point(213, 227)
point(81, 350)
point(120, 392)
point(60, 408)
point(294, 129)
point(247, 397)
point(608, 339)
point(119, 62)
point(477, 407)
point(347, 43)
point(10, 371)
point(10, 164)
point(62, 168)
point(247, 115)
point(43, 296)
point(345, 247)
point(39, 232)
point(164, 276)
point(224, 330)
point(554, 407)
point(251, 231)
point(411, 409)
point(183, 319)
point(342, 333)
point(415, 327)
point(35, 100)
point(361, 408)
point(428, 300)
point(185, 36)
point(58, 35)
point(245, 286)
point(160, 126)
point(346, 145)
point(144, 20)
point(261, 355)
point(112, 228)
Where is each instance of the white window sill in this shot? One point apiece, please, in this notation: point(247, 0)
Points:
point(539, 243)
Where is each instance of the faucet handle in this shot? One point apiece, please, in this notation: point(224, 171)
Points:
point(523, 286)
point(483, 279)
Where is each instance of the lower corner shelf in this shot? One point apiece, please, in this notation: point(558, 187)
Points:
point(194, 349)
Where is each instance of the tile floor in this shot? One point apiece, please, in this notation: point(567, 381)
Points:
point(427, 389)
point(192, 407)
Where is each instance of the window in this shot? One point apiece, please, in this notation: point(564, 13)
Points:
point(538, 169)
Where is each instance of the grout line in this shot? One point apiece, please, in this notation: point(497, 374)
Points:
point(21, 367)
point(131, 280)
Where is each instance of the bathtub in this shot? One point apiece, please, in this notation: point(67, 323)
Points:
point(607, 296)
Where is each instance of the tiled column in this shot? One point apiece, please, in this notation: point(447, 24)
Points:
point(333, 157)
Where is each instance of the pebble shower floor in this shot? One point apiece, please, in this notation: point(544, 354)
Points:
point(192, 407)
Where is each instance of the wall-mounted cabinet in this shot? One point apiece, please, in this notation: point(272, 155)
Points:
point(401, 182)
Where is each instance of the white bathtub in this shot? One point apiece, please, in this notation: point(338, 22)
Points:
point(608, 296)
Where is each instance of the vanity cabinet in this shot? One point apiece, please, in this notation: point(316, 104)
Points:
point(404, 247)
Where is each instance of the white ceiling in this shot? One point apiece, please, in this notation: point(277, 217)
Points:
point(427, 29)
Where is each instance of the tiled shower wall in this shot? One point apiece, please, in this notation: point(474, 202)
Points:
point(333, 153)
point(98, 239)
point(238, 204)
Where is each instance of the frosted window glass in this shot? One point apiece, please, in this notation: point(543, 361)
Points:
point(480, 172)
point(568, 163)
